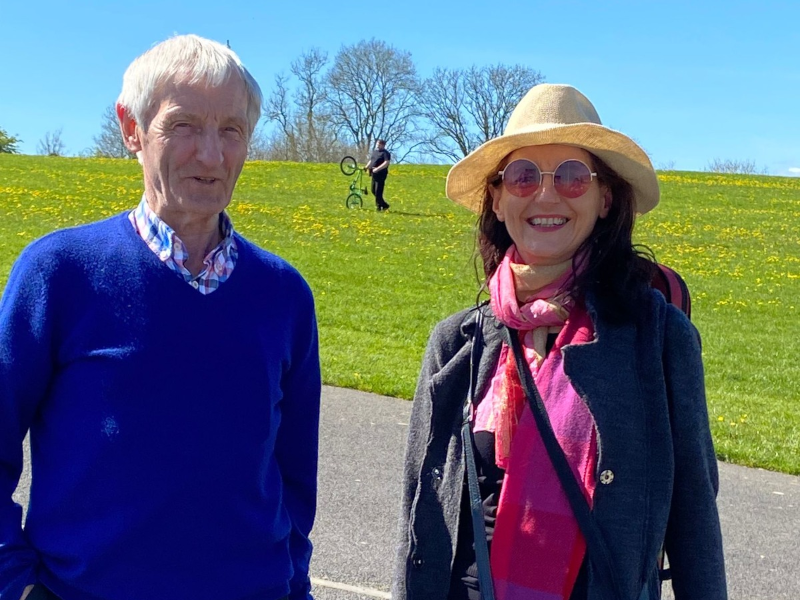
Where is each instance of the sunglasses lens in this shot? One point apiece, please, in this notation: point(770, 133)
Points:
point(572, 179)
point(521, 178)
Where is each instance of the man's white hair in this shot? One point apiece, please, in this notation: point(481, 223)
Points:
point(187, 59)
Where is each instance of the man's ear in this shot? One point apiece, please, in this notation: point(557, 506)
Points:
point(130, 133)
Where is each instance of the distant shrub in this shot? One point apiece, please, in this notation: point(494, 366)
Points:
point(741, 167)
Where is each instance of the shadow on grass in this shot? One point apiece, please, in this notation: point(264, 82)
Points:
point(413, 214)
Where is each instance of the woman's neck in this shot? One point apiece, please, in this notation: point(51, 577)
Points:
point(530, 279)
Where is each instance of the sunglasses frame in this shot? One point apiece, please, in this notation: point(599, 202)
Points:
point(592, 175)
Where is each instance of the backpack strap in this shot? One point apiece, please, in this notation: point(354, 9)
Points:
point(674, 288)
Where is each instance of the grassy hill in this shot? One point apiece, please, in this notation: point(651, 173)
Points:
point(382, 280)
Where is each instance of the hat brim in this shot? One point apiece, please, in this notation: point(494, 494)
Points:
point(466, 181)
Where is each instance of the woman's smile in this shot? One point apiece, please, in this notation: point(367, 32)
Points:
point(545, 223)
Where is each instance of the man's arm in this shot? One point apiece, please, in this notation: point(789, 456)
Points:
point(296, 448)
point(25, 373)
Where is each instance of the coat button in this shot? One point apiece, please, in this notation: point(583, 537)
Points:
point(437, 473)
point(606, 476)
point(417, 563)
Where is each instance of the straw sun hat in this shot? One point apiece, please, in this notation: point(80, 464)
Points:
point(555, 114)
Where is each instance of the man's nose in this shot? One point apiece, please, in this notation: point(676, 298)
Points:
point(209, 147)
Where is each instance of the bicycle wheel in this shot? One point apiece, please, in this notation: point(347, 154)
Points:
point(353, 201)
point(348, 165)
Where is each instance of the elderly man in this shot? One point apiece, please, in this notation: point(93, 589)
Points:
point(167, 370)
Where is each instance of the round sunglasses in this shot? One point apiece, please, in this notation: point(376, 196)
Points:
point(523, 177)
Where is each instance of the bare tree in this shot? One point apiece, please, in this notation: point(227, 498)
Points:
point(109, 141)
point(258, 147)
point(51, 144)
point(466, 108)
point(372, 94)
point(666, 165)
point(305, 129)
point(443, 100)
point(741, 167)
point(278, 109)
point(314, 126)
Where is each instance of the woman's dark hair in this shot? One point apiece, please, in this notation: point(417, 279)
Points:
point(618, 272)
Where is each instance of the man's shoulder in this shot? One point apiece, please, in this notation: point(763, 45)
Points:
point(270, 264)
point(264, 258)
point(73, 242)
point(65, 258)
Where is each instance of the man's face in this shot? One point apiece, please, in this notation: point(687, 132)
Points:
point(193, 150)
point(380, 145)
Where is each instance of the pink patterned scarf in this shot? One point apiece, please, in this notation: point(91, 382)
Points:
point(537, 548)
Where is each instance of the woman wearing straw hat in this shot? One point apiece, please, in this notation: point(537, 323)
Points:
point(559, 438)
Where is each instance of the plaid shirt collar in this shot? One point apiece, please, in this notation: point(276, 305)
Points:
point(165, 243)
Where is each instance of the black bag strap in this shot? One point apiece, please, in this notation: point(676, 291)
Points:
point(475, 503)
point(595, 543)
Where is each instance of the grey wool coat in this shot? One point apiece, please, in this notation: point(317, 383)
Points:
point(643, 383)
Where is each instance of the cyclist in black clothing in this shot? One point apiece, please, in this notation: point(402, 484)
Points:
point(378, 168)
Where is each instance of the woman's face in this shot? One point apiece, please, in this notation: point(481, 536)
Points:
point(546, 227)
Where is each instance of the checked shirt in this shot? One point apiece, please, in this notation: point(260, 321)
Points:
point(169, 248)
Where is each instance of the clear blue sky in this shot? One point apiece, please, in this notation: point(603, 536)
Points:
point(690, 81)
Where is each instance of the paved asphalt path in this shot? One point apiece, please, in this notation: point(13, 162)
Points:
point(361, 451)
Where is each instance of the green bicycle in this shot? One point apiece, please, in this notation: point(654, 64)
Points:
point(349, 167)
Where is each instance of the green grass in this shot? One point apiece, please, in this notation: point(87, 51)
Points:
point(382, 281)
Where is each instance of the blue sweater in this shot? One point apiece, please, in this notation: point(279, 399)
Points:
point(174, 435)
